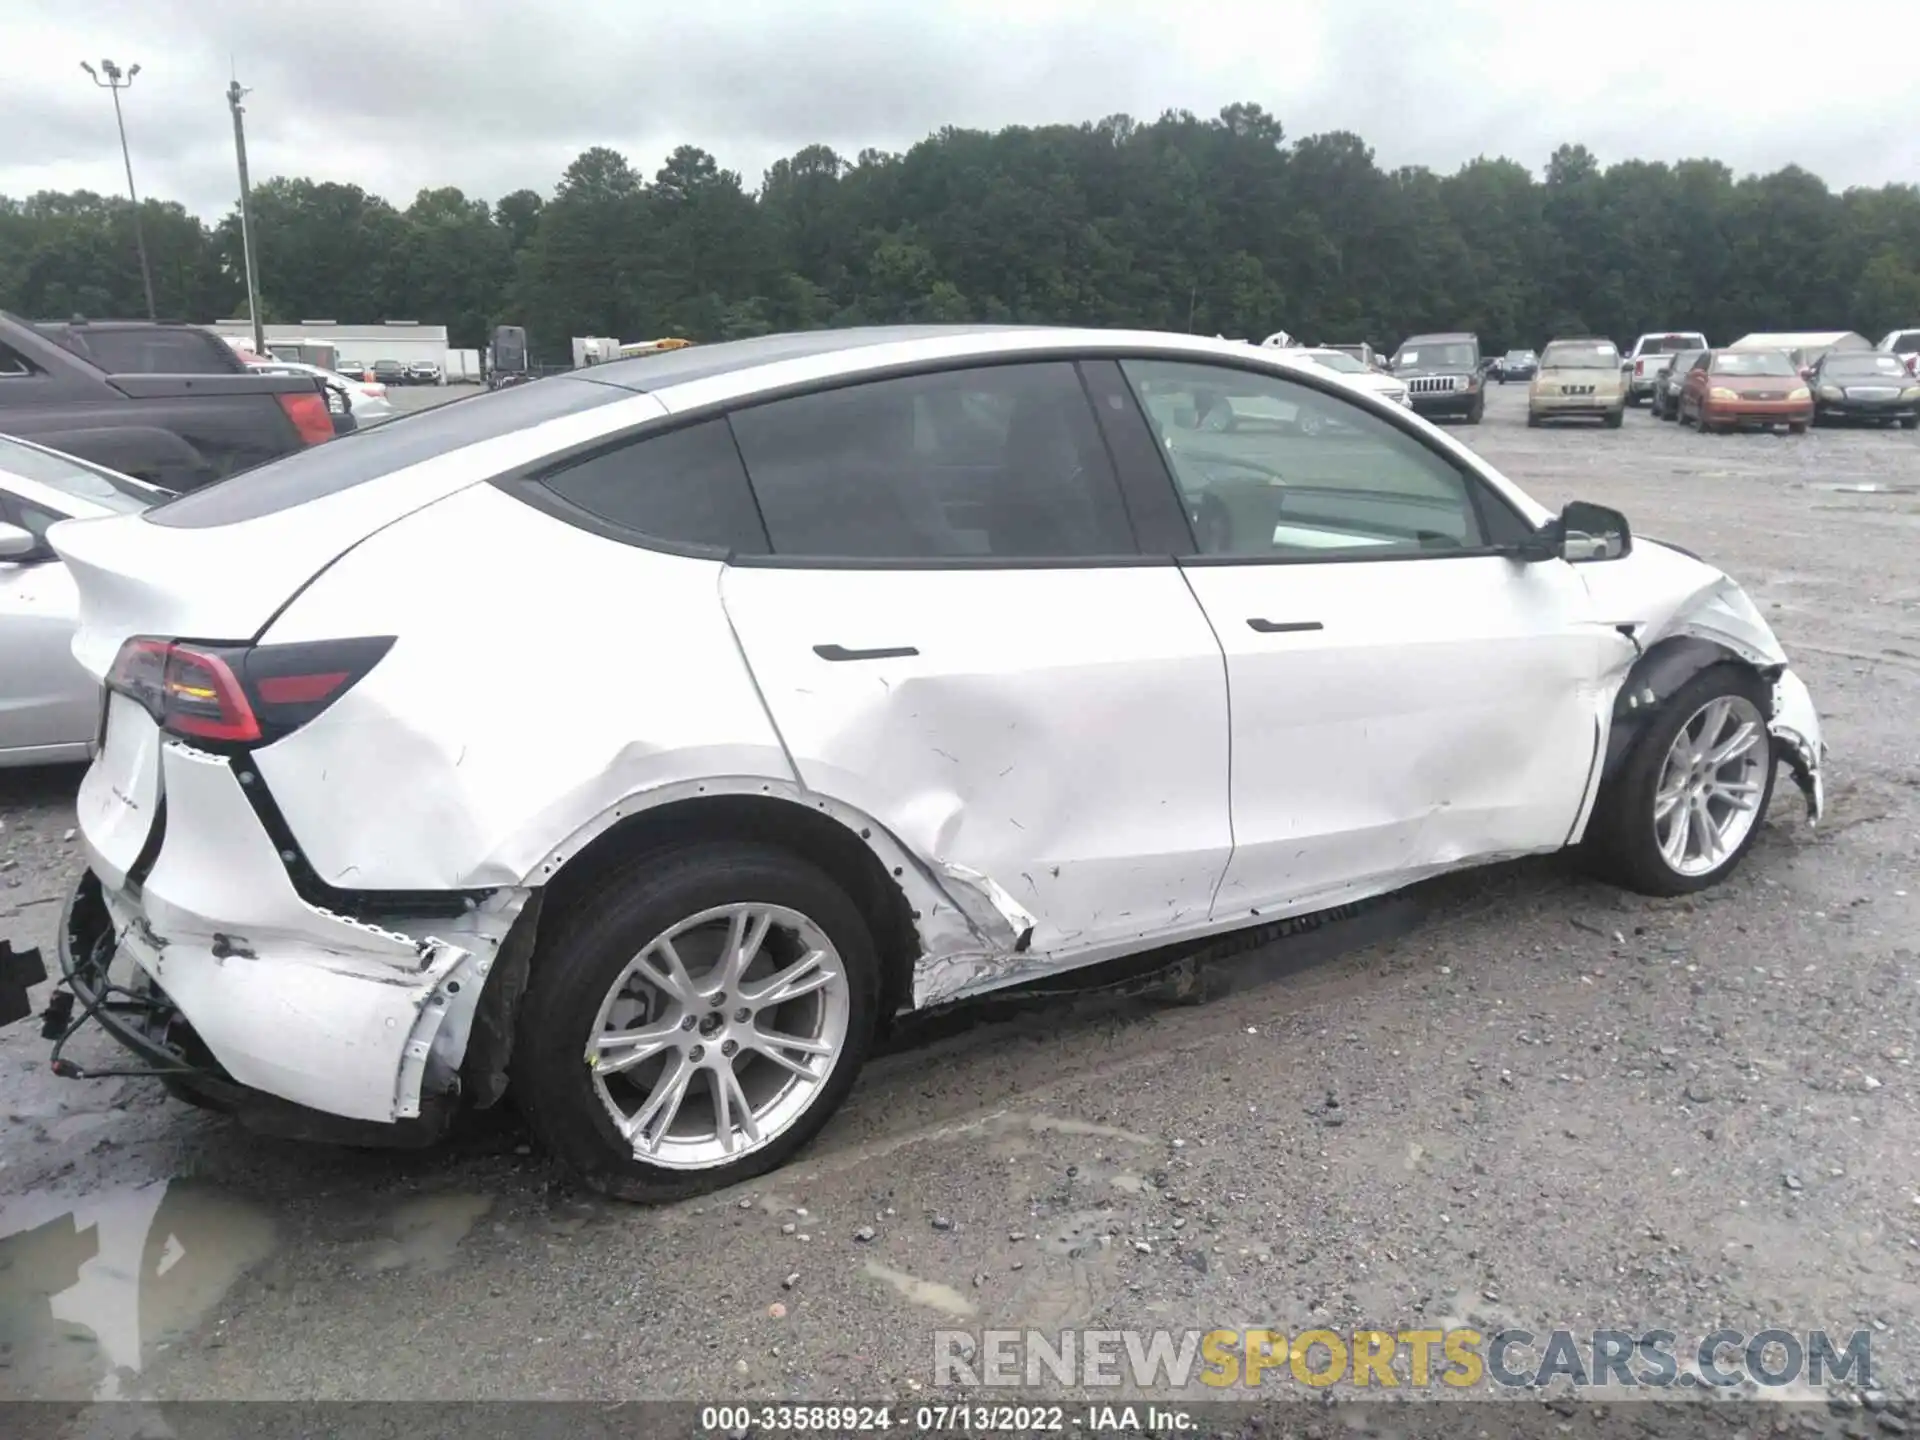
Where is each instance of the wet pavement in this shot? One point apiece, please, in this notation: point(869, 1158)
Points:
point(1545, 1103)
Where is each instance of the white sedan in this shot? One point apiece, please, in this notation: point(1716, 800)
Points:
point(49, 706)
point(650, 735)
point(366, 399)
point(1354, 371)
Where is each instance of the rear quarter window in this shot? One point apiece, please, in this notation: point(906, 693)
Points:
point(347, 461)
point(685, 487)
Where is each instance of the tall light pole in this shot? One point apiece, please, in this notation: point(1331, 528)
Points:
point(235, 94)
point(116, 82)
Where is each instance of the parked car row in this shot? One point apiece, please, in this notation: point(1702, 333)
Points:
point(676, 934)
point(393, 372)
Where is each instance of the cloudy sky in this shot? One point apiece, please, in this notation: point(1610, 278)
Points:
point(494, 95)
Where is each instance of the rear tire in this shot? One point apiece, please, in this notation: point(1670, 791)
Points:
point(587, 990)
point(1911, 422)
point(1798, 427)
point(1623, 839)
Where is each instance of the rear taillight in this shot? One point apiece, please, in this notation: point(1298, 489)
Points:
point(1639, 367)
point(240, 694)
point(308, 412)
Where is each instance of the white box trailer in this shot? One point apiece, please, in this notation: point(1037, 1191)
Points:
point(594, 349)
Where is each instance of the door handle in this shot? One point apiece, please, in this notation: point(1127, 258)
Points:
point(885, 652)
point(1282, 627)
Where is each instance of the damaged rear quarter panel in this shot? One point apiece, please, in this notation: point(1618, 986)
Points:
point(542, 679)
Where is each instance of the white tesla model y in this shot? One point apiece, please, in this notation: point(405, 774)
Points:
point(642, 737)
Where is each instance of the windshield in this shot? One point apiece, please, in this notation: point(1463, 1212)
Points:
point(105, 488)
point(1753, 362)
point(1451, 355)
point(1864, 365)
point(1520, 357)
point(1581, 355)
point(1335, 360)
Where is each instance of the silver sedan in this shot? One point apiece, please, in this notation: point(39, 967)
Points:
point(49, 706)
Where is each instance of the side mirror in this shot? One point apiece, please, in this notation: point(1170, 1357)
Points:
point(1582, 532)
point(1593, 532)
point(18, 546)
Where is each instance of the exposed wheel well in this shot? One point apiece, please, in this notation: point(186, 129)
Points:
point(809, 835)
point(1655, 676)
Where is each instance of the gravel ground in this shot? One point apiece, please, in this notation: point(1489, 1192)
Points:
point(1546, 1103)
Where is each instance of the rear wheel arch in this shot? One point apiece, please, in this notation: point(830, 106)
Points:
point(807, 831)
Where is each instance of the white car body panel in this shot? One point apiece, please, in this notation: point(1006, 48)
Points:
point(1445, 709)
point(654, 693)
point(548, 683)
point(314, 1008)
point(1061, 731)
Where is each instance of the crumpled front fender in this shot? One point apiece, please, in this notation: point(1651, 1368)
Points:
point(1796, 733)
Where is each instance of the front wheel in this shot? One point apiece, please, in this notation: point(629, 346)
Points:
point(696, 1021)
point(1797, 427)
point(1910, 422)
point(1688, 802)
point(1479, 409)
point(1616, 419)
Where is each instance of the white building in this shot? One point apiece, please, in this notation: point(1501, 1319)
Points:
point(402, 340)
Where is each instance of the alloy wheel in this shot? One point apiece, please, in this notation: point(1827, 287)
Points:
point(717, 1037)
point(1708, 795)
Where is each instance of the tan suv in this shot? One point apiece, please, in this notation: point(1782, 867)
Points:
point(1579, 379)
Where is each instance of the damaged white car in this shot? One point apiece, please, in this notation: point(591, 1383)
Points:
point(643, 737)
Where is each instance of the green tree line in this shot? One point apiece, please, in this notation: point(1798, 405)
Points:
point(1216, 225)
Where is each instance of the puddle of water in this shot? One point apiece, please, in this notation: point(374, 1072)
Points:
point(426, 1232)
point(91, 1286)
point(932, 1293)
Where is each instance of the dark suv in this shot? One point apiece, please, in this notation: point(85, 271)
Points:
point(1442, 375)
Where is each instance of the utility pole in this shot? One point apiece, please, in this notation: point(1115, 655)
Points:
point(235, 93)
point(116, 82)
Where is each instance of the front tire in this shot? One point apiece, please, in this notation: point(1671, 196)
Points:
point(1910, 422)
point(1688, 802)
point(1479, 409)
point(1616, 419)
point(696, 1021)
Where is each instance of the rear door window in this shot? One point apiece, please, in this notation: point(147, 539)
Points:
point(994, 462)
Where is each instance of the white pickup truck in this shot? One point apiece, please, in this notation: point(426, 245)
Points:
point(1905, 344)
point(1652, 354)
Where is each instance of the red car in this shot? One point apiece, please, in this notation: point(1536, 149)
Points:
point(1731, 389)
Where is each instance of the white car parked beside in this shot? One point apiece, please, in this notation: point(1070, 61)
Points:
point(649, 735)
point(1353, 371)
point(49, 706)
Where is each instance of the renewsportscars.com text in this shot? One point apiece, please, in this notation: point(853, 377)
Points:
point(1459, 1359)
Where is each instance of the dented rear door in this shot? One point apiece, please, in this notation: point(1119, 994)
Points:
point(1036, 714)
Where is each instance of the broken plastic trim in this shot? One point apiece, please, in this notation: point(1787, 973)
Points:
point(362, 905)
